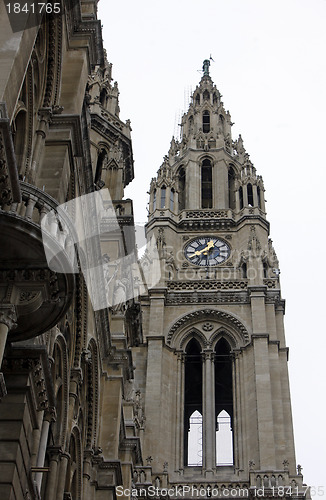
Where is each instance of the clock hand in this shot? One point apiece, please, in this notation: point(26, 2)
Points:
point(210, 244)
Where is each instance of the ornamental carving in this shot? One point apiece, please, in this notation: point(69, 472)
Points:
point(207, 285)
point(207, 327)
point(208, 314)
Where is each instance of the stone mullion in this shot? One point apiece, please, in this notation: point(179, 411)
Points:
point(237, 413)
point(180, 412)
point(209, 426)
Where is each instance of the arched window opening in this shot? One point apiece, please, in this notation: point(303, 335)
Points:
point(206, 185)
point(154, 200)
point(222, 127)
point(231, 181)
point(223, 400)
point(224, 439)
point(197, 99)
point(250, 195)
point(182, 189)
point(172, 200)
point(206, 95)
point(244, 270)
point(99, 165)
point(215, 98)
point(103, 97)
point(259, 196)
point(241, 197)
point(206, 122)
point(193, 402)
point(163, 196)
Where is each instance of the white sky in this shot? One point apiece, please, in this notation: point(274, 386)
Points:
point(270, 68)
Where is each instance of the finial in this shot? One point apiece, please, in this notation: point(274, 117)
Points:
point(206, 65)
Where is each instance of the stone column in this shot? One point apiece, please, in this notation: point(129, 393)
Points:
point(65, 457)
point(44, 119)
point(49, 417)
point(8, 319)
point(209, 426)
point(52, 474)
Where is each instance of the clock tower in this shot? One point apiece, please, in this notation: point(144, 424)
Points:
point(212, 365)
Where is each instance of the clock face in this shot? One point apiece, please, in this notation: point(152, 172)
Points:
point(207, 251)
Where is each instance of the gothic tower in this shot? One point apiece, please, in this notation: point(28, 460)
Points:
point(213, 363)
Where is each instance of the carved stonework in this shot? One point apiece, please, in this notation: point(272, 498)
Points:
point(8, 316)
point(207, 313)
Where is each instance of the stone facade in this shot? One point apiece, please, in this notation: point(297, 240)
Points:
point(95, 398)
point(70, 426)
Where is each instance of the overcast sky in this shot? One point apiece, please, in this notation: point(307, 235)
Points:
point(270, 68)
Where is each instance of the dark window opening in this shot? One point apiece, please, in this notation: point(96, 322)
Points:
point(197, 99)
point(244, 270)
point(193, 403)
point(241, 197)
point(103, 97)
point(259, 196)
point(206, 95)
point(172, 200)
point(206, 122)
point(154, 200)
point(99, 166)
point(250, 195)
point(223, 401)
point(163, 196)
point(231, 181)
point(182, 189)
point(206, 185)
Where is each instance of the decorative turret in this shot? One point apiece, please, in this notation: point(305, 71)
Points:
point(205, 167)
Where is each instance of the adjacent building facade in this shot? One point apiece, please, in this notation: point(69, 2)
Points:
point(184, 384)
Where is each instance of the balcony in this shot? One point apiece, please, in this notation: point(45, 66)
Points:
point(39, 295)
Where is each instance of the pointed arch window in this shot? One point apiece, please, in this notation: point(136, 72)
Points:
point(99, 165)
point(231, 182)
point(206, 185)
point(197, 99)
point(259, 196)
point(163, 196)
point(154, 200)
point(206, 122)
point(250, 195)
point(206, 95)
point(182, 188)
point(241, 197)
point(193, 402)
point(223, 403)
point(172, 200)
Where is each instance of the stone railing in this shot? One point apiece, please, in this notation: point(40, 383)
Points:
point(277, 482)
point(35, 205)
